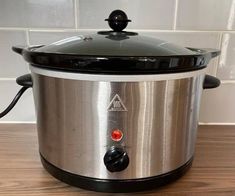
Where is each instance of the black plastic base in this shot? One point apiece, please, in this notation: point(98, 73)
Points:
point(118, 186)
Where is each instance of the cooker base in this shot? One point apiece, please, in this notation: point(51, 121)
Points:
point(118, 186)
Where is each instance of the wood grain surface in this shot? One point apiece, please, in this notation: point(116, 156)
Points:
point(21, 173)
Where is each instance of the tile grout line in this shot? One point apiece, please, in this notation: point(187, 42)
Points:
point(7, 79)
point(175, 14)
point(27, 37)
point(37, 29)
point(227, 81)
point(17, 122)
point(139, 30)
point(28, 44)
point(220, 47)
point(76, 13)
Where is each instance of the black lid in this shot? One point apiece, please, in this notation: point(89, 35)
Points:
point(116, 52)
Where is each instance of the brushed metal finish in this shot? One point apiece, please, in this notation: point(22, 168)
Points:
point(159, 126)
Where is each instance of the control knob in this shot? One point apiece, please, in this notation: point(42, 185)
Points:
point(116, 159)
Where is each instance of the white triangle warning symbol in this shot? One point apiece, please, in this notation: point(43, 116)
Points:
point(116, 105)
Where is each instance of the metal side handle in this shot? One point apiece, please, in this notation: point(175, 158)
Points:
point(210, 82)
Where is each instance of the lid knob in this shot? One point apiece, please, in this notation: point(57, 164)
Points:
point(118, 20)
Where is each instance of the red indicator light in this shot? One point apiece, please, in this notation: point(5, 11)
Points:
point(116, 135)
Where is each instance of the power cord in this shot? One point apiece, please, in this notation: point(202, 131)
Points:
point(14, 101)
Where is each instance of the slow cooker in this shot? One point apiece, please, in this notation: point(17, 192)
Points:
point(116, 111)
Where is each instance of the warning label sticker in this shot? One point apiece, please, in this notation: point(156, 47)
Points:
point(116, 105)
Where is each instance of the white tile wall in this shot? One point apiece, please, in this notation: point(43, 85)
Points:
point(11, 65)
point(218, 105)
point(206, 14)
point(192, 23)
point(34, 13)
point(226, 68)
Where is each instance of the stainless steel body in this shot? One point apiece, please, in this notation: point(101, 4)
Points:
point(158, 118)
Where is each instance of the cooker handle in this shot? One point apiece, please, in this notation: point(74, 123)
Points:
point(210, 82)
point(19, 49)
point(208, 52)
point(213, 52)
point(26, 82)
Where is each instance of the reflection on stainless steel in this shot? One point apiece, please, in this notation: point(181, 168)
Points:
point(74, 125)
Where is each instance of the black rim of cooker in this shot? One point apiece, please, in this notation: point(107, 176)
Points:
point(111, 65)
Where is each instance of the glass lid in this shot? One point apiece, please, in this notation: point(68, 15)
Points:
point(115, 44)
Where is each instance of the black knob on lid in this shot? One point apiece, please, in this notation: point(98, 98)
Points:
point(118, 20)
point(116, 159)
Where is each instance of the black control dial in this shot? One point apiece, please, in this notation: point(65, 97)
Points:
point(116, 159)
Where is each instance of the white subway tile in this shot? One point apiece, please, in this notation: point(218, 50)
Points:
point(11, 64)
point(206, 14)
point(33, 13)
point(226, 68)
point(23, 110)
point(218, 104)
point(150, 14)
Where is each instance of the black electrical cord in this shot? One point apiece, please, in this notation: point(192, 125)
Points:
point(14, 101)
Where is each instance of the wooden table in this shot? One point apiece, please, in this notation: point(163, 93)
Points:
point(21, 173)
